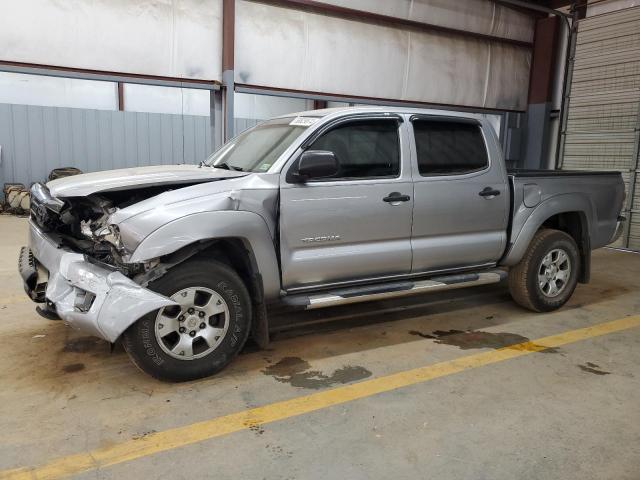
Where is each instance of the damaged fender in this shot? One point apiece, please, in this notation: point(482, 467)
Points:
point(204, 226)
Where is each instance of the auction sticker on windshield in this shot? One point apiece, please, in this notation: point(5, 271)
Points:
point(303, 121)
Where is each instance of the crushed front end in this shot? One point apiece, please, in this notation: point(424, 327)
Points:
point(75, 263)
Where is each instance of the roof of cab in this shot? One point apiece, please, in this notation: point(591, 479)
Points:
point(378, 109)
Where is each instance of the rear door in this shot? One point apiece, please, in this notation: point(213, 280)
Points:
point(350, 227)
point(461, 195)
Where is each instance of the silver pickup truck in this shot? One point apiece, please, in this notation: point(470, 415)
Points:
point(315, 209)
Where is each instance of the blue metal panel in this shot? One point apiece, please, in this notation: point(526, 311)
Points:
point(155, 136)
point(92, 157)
point(189, 141)
point(51, 139)
point(34, 140)
point(78, 144)
point(7, 151)
point(35, 137)
point(178, 137)
point(22, 153)
point(65, 137)
point(118, 140)
point(166, 139)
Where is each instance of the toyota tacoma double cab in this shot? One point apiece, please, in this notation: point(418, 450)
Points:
point(315, 209)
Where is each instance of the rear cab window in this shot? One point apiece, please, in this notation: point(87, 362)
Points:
point(449, 147)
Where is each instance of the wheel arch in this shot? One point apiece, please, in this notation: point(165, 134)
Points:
point(571, 214)
point(239, 238)
point(575, 224)
point(238, 233)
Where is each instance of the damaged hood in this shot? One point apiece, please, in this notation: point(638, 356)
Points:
point(125, 178)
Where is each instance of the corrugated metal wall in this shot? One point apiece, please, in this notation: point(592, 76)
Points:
point(603, 124)
point(34, 140)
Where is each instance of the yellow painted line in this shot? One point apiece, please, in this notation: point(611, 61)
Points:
point(216, 427)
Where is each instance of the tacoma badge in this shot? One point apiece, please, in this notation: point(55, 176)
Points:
point(324, 238)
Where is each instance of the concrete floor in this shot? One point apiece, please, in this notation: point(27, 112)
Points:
point(572, 413)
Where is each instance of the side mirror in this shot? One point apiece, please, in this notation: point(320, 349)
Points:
point(316, 164)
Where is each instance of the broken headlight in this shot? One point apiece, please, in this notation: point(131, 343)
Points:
point(109, 234)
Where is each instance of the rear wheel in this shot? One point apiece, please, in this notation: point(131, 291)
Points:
point(547, 275)
point(202, 333)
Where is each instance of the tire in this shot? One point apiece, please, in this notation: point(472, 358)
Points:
point(531, 283)
point(176, 344)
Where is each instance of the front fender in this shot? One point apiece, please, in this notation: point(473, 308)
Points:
point(248, 226)
point(573, 202)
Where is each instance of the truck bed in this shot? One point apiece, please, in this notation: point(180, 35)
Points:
point(599, 195)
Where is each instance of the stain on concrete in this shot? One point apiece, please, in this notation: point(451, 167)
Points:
point(82, 345)
point(613, 291)
point(140, 436)
point(277, 451)
point(297, 372)
point(471, 339)
point(256, 428)
point(73, 367)
point(593, 368)
point(420, 334)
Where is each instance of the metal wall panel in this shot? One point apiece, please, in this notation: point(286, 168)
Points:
point(479, 16)
point(34, 140)
point(172, 38)
point(603, 122)
point(242, 124)
point(338, 56)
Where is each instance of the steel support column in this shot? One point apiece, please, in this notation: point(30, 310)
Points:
point(566, 91)
point(228, 60)
point(539, 107)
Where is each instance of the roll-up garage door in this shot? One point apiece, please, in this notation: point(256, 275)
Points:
point(604, 107)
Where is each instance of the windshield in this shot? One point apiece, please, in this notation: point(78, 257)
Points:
point(259, 147)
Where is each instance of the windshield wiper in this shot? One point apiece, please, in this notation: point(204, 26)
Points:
point(226, 166)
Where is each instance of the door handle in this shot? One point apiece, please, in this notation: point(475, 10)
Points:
point(489, 192)
point(396, 197)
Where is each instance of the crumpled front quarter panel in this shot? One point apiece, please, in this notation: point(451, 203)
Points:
point(252, 193)
point(250, 227)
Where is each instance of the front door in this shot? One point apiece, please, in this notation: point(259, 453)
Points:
point(357, 224)
point(461, 199)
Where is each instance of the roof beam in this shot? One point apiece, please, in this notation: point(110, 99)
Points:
point(106, 76)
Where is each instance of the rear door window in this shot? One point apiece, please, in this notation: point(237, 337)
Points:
point(448, 147)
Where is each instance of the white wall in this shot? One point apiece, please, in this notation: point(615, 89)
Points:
point(156, 99)
point(263, 107)
point(21, 89)
point(293, 49)
point(174, 38)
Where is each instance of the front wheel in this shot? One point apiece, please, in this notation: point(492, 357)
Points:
point(547, 275)
point(199, 336)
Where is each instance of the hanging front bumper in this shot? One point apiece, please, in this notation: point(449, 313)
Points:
point(88, 297)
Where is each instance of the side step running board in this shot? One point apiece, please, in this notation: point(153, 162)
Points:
point(367, 293)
